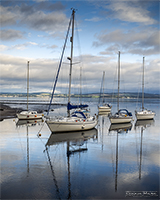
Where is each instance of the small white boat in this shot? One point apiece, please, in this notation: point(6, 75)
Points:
point(144, 113)
point(29, 114)
point(105, 107)
point(122, 115)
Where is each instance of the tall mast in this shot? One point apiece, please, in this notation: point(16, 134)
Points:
point(140, 165)
point(103, 86)
point(27, 83)
point(143, 87)
point(116, 172)
point(70, 73)
point(27, 152)
point(118, 80)
point(80, 85)
point(59, 67)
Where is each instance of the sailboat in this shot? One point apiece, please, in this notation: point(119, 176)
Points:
point(105, 107)
point(122, 115)
point(144, 113)
point(29, 114)
point(77, 120)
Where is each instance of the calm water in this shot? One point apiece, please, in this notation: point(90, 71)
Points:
point(109, 162)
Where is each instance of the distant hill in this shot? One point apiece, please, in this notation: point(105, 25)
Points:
point(92, 95)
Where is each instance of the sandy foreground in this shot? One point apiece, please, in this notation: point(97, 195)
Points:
point(8, 112)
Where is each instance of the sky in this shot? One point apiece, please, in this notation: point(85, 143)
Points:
point(35, 31)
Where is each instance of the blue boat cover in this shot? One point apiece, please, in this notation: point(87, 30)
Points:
point(70, 106)
point(74, 114)
point(125, 110)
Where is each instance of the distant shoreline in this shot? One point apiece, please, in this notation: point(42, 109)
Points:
point(126, 95)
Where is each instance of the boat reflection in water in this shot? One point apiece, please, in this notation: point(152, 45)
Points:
point(144, 123)
point(103, 113)
point(78, 139)
point(120, 128)
point(76, 143)
point(31, 122)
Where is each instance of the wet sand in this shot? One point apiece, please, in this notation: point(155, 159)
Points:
point(8, 112)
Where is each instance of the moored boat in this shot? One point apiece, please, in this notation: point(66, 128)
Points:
point(122, 115)
point(76, 122)
point(28, 114)
point(79, 119)
point(144, 113)
point(104, 107)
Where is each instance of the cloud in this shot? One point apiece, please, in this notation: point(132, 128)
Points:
point(35, 16)
point(49, 19)
point(50, 6)
point(136, 41)
point(10, 35)
point(94, 19)
point(23, 46)
point(131, 11)
point(46, 22)
point(52, 46)
point(7, 17)
point(3, 47)
point(43, 72)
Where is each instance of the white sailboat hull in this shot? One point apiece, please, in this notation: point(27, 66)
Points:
point(68, 125)
point(104, 109)
point(120, 120)
point(145, 114)
point(122, 116)
point(25, 115)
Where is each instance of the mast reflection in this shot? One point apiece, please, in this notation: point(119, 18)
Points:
point(27, 124)
point(76, 143)
point(140, 165)
point(119, 128)
point(142, 125)
point(101, 126)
